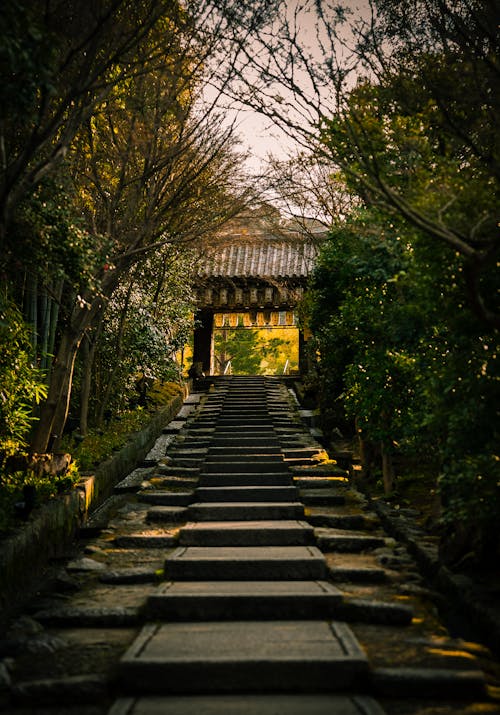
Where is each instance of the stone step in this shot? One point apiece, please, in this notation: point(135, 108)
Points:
point(339, 482)
point(244, 411)
point(247, 533)
point(195, 443)
point(222, 479)
point(318, 470)
point(260, 440)
point(366, 610)
point(247, 451)
point(243, 600)
point(245, 466)
point(245, 657)
point(165, 498)
point(243, 428)
point(245, 511)
point(307, 452)
point(245, 563)
point(147, 540)
point(269, 704)
point(357, 574)
point(245, 431)
point(186, 483)
point(322, 497)
point(342, 542)
point(435, 683)
point(174, 427)
point(166, 514)
point(239, 421)
point(274, 455)
point(179, 451)
point(356, 522)
point(247, 494)
point(167, 470)
point(179, 460)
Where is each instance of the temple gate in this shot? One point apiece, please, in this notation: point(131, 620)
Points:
point(250, 283)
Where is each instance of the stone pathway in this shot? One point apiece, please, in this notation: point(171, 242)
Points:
point(239, 573)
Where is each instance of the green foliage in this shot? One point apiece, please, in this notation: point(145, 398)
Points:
point(240, 347)
point(161, 393)
point(142, 331)
point(45, 487)
point(400, 352)
point(48, 239)
point(246, 349)
point(100, 444)
point(21, 384)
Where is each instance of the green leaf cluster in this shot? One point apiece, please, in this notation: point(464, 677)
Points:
point(22, 385)
point(400, 353)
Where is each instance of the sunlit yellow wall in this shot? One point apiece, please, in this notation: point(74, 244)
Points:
point(290, 352)
point(289, 333)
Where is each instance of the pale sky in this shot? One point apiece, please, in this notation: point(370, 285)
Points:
point(258, 134)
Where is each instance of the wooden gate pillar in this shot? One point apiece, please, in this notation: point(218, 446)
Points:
point(202, 344)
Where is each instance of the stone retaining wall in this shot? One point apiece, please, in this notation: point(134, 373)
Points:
point(463, 597)
point(25, 556)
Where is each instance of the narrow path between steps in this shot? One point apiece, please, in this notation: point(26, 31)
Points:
point(237, 572)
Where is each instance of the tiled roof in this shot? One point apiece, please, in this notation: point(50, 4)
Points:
point(265, 259)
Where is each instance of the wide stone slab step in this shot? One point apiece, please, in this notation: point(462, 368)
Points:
point(434, 683)
point(245, 511)
point(357, 574)
point(165, 514)
point(247, 533)
point(248, 451)
point(247, 494)
point(357, 522)
point(228, 421)
point(242, 600)
point(148, 540)
point(248, 465)
point(132, 575)
point(363, 610)
point(322, 497)
point(262, 440)
point(174, 427)
point(168, 470)
point(186, 483)
point(165, 498)
point(222, 479)
point(273, 455)
point(244, 656)
point(248, 705)
point(245, 563)
point(132, 481)
point(342, 542)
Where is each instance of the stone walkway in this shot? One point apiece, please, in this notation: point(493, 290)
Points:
point(239, 573)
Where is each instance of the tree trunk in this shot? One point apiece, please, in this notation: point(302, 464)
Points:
point(54, 317)
point(85, 387)
point(33, 313)
point(110, 382)
point(387, 469)
point(89, 349)
point(46, 311)
point(54, 410)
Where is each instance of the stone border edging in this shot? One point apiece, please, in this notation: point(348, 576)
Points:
point(456, 586)
point(25, 555)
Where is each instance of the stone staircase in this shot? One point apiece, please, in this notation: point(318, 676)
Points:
point(241, 574)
